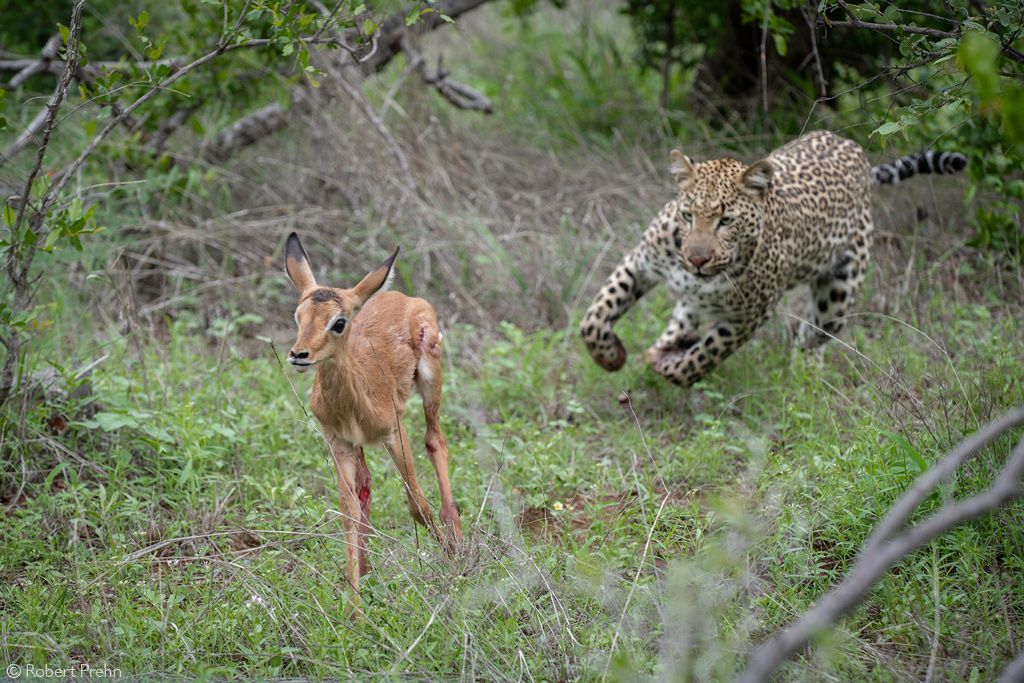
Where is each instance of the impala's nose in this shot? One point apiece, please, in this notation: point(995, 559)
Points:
point(299, 360)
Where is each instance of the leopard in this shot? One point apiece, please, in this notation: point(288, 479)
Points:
point(737, 237)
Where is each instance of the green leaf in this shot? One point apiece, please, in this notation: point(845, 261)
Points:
point(887, 129)
point(1011, 106)
point(781, 44)
point(51, 239)
point(186, 473)
point(979, 54)
point(10, 215)
point(53, 474)
point(908, 449)
point(140, 23)
point(111, 422)
point(75, 209)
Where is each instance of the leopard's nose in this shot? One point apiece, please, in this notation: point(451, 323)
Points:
point(698, 261)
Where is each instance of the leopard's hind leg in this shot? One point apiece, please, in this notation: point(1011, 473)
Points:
point(835, 290)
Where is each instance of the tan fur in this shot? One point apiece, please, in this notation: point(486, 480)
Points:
point(390, 345)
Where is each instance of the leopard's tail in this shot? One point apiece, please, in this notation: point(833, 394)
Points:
point(928, 162)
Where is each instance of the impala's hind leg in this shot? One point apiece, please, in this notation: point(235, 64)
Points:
point(428, 381)
point(419, 508)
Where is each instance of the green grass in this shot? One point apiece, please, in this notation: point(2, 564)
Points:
point(187, 527)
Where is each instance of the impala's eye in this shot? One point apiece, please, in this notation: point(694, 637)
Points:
point(687, 216)
point(339, 326)
point(726, 220)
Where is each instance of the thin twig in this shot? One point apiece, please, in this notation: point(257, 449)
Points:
point(764, 57)
point(855, 22)
point(879, 555)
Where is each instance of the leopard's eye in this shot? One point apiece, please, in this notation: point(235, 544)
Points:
point(726, 220)
point(687, 216)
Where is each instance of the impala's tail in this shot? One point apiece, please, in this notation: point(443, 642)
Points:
point(928, 162)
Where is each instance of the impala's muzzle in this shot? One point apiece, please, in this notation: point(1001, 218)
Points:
point(300, 360)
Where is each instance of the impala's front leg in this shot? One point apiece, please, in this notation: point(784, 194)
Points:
point(354, 489)
point(630, 280)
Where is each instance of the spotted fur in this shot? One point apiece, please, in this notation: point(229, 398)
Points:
point(736, 238)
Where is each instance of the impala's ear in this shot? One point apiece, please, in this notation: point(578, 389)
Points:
point(296, 264)
point(683, 170)
point(377, 281)
point(757, 178)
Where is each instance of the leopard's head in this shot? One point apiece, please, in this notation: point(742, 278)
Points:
point(720, 211)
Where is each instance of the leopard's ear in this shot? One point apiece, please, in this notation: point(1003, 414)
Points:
point(683, 170)
point(757, 178)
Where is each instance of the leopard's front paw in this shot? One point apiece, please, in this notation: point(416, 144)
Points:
point(673, 365)
point(610, 353)
point(676, 348)
point(607, 350)
point(664, 363)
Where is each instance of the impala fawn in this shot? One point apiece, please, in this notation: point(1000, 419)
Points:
point(370, 349)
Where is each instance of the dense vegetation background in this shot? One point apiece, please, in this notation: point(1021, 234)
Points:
point(169, 509)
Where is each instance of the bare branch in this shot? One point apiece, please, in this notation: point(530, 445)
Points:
point(934, 33)
point(87, 78)
point(30, 69)
point(926, 483)
point(31, 130)
point(456, 93)
point(18, 265)
point(168, 127)
point(879, 555)
point(1014, 671)
point(52, 110)
point(49, 55)
point(809, 12)
point(49, 62)
point(857, 23)
point(387, 42)
point(255, 126)
point(764, 55)
point(392, 30)
point(56, 67)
